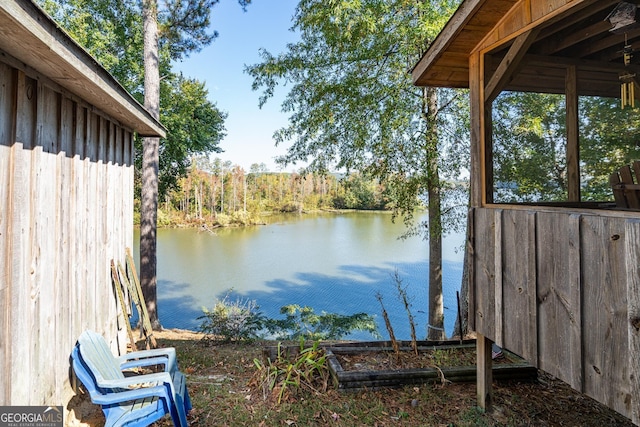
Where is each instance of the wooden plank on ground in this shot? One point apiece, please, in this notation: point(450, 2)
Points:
point(632, 234)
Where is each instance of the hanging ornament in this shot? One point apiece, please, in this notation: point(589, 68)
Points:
point(627, 80)
point(627, 90)
point(627, 53)
point(623, 17)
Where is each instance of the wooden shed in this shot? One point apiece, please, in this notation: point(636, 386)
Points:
point(66, 201)
point(557, 283)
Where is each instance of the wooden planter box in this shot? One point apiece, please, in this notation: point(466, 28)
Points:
point(514, 368)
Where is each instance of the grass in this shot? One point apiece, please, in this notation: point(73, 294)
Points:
point(219, 378)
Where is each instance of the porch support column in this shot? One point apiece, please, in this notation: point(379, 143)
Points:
point(573, 138)
point(484, 373)
point(481, 193)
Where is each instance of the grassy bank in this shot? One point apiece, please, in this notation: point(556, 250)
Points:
point(218, 378)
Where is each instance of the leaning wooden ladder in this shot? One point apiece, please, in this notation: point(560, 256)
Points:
point(129, 280)
point(626, 187)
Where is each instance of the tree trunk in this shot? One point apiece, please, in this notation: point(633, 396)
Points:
point(435, 328)
point(150, 160)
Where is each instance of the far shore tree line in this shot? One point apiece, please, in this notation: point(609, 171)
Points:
point(219, 193)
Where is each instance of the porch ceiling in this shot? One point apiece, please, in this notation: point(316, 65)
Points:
point(578, 35)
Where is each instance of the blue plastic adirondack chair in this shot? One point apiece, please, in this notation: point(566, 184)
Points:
point(136, 400)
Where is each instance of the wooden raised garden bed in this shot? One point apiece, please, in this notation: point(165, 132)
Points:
point(373, 365)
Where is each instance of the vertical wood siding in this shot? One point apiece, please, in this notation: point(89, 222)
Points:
point(66, 191)
point(560, 288)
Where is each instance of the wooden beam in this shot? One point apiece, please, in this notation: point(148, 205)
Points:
point(509, 64)
point(477, 130)
point(456, 24)
point(550, 37)
point(573, 142)
point(484, 374)
point(488, 153)
point(487, 147)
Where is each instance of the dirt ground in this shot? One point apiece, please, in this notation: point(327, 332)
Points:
point(544, 402)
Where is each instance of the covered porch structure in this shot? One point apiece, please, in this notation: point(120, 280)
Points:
point(555, 282)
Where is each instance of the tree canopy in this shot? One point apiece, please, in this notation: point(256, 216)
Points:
point(112, 33)
point(352, 103)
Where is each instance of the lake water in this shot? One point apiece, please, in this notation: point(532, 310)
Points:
point(335, 263)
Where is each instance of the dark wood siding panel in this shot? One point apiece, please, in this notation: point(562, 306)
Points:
point(44, 259)
point(65, 225)
point(484, 271)
point(519, 317)
point(632, 234)
point(606, 368)
point(19, 241)
point(558, 297)
point(7, 90)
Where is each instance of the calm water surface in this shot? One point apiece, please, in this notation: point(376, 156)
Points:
point(332, 262)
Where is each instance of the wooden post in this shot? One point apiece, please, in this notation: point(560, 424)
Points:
point(484, 372)
point(573, 142)
point(478, 137)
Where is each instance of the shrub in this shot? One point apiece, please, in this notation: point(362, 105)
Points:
point(303, 322)
point(231, 321)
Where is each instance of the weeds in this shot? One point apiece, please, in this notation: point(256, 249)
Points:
point(404, 298)
point(231, 321)
point(288, 377)
point(402, 294)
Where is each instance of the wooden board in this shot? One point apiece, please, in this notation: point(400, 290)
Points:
point(484, 260)
point(19, 241)
point(632, 249)
point(558, 296)
point(519, 315)
point(606, 367)
point(7, 99)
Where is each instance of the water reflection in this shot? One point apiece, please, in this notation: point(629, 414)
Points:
point(333, 263)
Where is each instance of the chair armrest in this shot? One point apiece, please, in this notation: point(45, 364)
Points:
point(156, 379)
point(152, 361)
point(169, 353)
point(625, 186)
point(129, 395)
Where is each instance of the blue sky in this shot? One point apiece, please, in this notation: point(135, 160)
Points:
point(265, 24)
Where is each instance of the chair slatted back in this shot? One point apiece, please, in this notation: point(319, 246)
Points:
point(625, 183)
point(97, 355)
